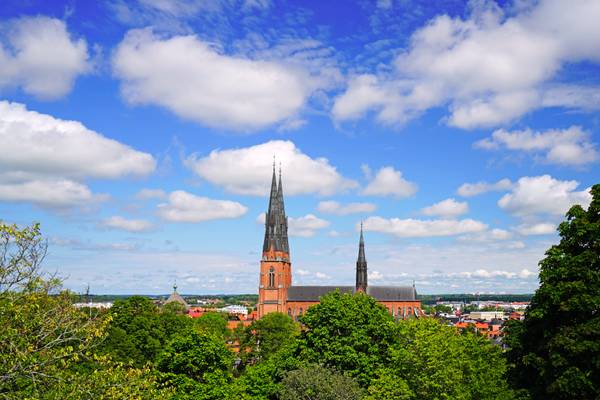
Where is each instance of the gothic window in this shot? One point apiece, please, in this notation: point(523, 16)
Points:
point(290, 312)
point(272, 277)
point(300, 310)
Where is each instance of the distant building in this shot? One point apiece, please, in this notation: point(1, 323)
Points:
point(99, 305)
point(276, 292)
point(235, 309)
point(487, 315)
point(176, 298)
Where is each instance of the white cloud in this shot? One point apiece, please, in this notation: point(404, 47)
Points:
point(389, 182)
point(495, 239)
point(248, 170)
point(489, 68)
point(334, 207)
point(40, 56)
point(44, 159)
point(571, 146)
point(474, 189)
point(301, 272)
point(449, 208)
point(195, 81)
point(375, 276)
point(306, 226)
point(146, 194)
point(35, 144)
point(186, 207)
point(487, 274)
point(422, 228)
point(50, 193)
point(543, 228)
point(321, 275)
point(543, 195)
point(130, 225)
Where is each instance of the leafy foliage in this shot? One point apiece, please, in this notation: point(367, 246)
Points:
point(555, 353)
point(213, 322)
point(46, 345)
point(315, 382)
point(351, 333)
point(268, 335)
point(433, 361)
point(139, 330)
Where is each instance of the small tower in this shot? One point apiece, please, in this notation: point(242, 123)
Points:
point(176, 298)
point(361, 264)
point(275, 266)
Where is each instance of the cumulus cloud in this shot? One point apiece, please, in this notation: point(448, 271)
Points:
point(449, 208)
point(129, 225)
point(248, 170)
point(543, 195)
point(196, 81)
point(423, 228)
point(186, 207)
point(336, 208)
point(35, 144)
point(571, 146)
point(542, 228)
point(474, 189)
point(321, 275)
point(146, 194)
point(389, 182)
point(49, 157)
point(39, 55)
point(57, 194)
point(375, 276)
point(488, 69)
point(306, 226)
point(487, 274)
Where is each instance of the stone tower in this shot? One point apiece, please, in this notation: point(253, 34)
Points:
point(275, 265)
point(361, 265)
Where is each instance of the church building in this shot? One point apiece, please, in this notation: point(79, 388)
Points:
point(276, 292)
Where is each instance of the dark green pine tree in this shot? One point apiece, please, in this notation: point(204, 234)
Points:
point(555, 352)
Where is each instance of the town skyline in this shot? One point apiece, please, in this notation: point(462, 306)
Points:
point(143, 139)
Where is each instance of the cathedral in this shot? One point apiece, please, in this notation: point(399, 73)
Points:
point(276, 292)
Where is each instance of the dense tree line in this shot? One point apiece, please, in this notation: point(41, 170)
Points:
point(346, 347)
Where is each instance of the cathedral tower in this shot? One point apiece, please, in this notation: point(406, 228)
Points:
point(361, 265)
point(275, 265)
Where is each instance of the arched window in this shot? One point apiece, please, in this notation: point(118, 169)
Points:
point(300, 310)
point(289, 312)
point(272, 277)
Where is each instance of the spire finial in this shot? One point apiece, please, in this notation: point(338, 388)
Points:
point(175, 285)
point(273, 162)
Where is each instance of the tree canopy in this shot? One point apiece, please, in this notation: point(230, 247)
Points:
point(555, 352)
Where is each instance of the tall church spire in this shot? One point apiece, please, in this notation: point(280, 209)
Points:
point(361, 264)
point(275, 221)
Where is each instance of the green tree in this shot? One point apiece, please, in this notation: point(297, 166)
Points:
point(198, 366)
point(315, 382)
point(139, 330)
point(46, 345)
point(351, 333)
point(555, 353)
point(41, 334)
point(433, 361)
point(268, 335)
point(213, 322)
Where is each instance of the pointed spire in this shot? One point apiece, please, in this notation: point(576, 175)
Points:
point(275, 219)
point(361, 264)
point(175, 286)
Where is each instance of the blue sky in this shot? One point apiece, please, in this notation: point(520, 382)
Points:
point(141, 136)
